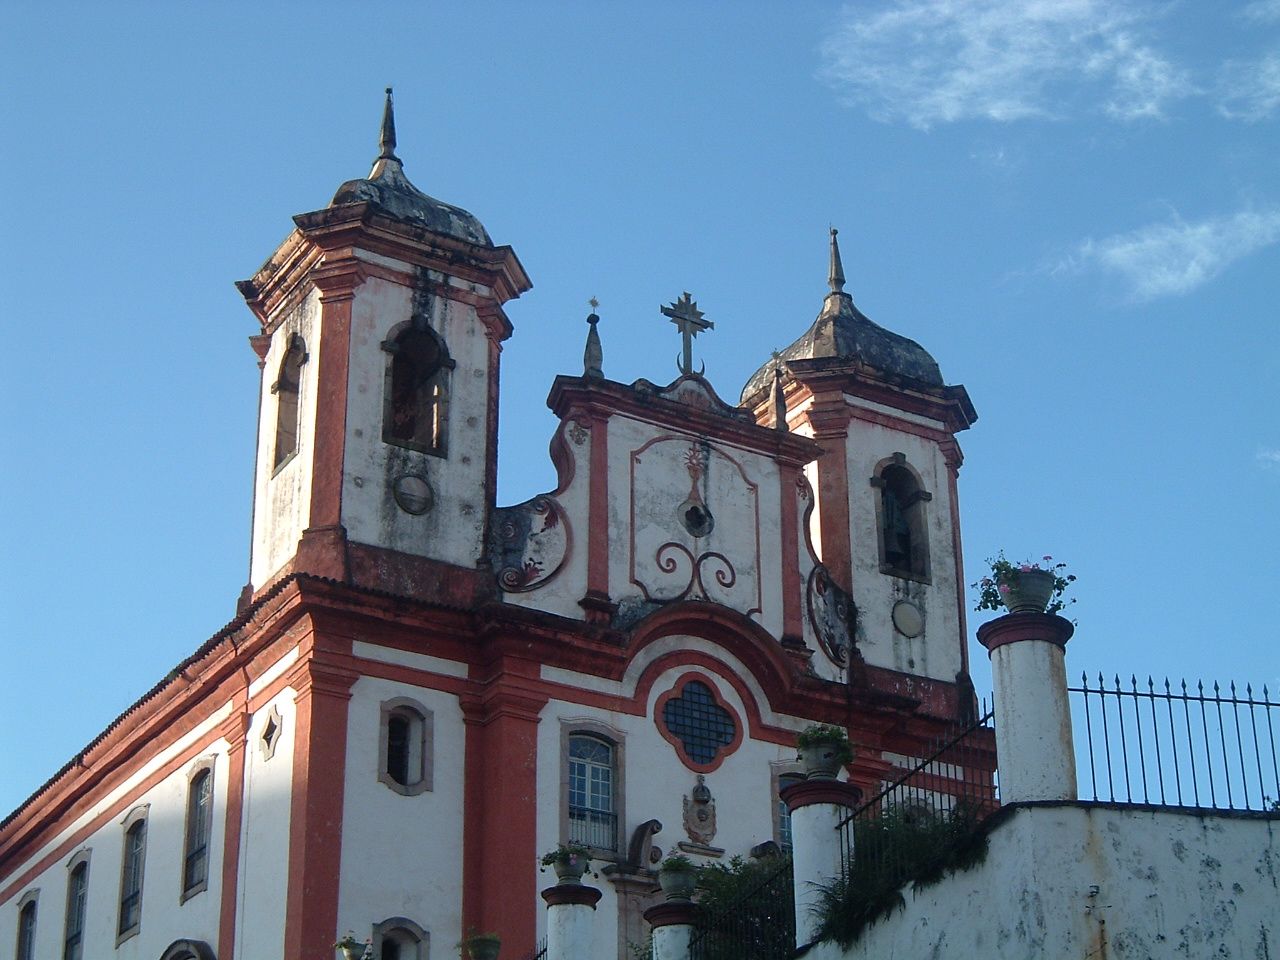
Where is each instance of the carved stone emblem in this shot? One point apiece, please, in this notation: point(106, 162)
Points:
point(700, 813)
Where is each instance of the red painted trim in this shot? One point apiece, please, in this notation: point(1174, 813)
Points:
point(792, 624)
point(1016, 627)
point(598, 516)
point(829, 417)
point(234, 730)
point(807, 793)
point(315, 814)
point(672, 913)
point(677, 690)
point(573, 894)
point(500, 809)
point(112, 813)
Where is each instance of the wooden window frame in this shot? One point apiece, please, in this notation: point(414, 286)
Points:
point(186, 892)
point(424, 719)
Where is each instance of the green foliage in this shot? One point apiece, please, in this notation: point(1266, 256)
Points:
point(902, 846)
point(1004, 576)
point(819, 733)
point(747, 910)
point(678, 863)
point(564, 852)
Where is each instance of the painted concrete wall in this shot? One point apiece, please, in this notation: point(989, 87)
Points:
point(655, 777)
point(937, 651)
point(282, 498)
point(264, 837)
point(165, 917)
point(1073, 882)
point(452, 530)
point(402, 855)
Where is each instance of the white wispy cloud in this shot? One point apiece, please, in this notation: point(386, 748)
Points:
point(939, 61)
point(1166, 259)
point(1250, 89)
point(1262, 11)
point(1269, 458)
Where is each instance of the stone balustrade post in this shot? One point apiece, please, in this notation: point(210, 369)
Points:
point(1033, 716)
point(571, 911)
point(817, 806)
point(672, 924)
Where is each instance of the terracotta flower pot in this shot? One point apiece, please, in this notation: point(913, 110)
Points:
point(1029, 592)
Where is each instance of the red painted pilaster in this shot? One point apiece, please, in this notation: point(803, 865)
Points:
point(596, 602)
point(830, 418)
point(235, 730)
point(954, 458)
point(315, 820)
point(323, 547)
point(792, 625)
point(499, 833)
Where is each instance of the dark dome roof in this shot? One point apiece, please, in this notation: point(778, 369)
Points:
point(388, 189)
point(842, 332)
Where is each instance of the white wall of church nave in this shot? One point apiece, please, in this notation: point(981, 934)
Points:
point(561, 593)
point(164, 917)
point(937, 651)
point(656, 781)
point(282, 499)
point(744, 504)
point(452, 529)
point(402, 855)
point(264, 838)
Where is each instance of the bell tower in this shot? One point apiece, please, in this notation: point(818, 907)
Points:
point(886, 517)
point(382, 324)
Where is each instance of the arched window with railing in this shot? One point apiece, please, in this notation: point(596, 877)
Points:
point(131, 864)
point(199, 824)
point(77, 898)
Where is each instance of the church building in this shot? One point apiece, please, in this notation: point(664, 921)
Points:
point(424, 691)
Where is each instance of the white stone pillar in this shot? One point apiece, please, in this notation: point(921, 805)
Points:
point(672, 924)
point(817, 806)
point(1033, 717)
point(571, 911)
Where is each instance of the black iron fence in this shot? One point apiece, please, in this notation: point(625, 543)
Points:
point(537, 953)
point(950, 790)
point(1177, 745)
point(759, 925)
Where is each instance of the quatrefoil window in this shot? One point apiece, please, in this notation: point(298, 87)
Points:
point(701, 726)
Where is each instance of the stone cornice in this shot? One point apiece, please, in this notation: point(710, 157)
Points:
point(1016, 627)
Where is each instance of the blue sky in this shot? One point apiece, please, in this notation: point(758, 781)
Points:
point(1074, 205)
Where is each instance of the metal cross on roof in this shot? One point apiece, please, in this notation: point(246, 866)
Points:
point(684, 313)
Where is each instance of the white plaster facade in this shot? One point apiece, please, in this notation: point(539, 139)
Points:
point(282, 496)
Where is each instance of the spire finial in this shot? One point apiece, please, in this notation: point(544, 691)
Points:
point(593, 355)
point(778, 399)
point(387, 136)
point(835, 274)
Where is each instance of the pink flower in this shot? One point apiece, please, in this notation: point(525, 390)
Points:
point(1004, 588)
point(986, 581)
point(1026, 566)
point(1047, 557)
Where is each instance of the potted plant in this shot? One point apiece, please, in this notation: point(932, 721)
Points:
point(1028, 587)
point(352, 949)
point(569, 861)
point(677, 875)
point(823, 750)
point(482, 946)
